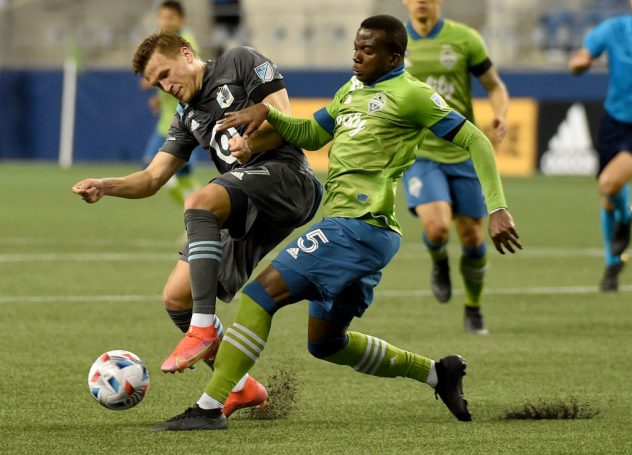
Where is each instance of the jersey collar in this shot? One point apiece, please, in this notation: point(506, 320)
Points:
point(434, 32)
point(390, 75)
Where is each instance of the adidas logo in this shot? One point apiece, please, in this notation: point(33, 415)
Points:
point(293, 252)
point(194, 125)
point(570, 150)
point(239, 175)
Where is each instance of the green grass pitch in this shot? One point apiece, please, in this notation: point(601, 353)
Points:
point(77, 280)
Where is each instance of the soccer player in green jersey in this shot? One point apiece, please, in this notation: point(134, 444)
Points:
point(375, 122)
point(442, 184)
point(171, 18)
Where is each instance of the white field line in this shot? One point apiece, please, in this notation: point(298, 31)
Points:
point(406, 255)
point(88, 257)
point(536, 290)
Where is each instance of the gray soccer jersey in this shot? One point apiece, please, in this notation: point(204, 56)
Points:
point(236, 80)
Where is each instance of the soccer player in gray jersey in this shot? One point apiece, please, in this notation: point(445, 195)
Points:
point(266, 189)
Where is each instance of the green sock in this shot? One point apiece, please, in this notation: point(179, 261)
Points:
point(438, 252)
point(370, 355)
point(473, 270)
point(183, 187)
point(240, 348)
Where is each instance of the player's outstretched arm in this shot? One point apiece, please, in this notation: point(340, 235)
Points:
point(580, 62)
point(502, 229)
point(138, 185)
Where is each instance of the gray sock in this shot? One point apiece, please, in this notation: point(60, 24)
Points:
point(205, 255)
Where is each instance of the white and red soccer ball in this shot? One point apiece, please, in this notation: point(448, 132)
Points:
point(118, 380)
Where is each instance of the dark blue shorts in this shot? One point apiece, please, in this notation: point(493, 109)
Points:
point(614, 137)
point(457, 184)
point(335, 265)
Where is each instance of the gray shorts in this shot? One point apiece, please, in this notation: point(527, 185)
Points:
point(268, 202)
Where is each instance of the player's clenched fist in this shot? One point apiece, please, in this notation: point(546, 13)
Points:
point(90, 190)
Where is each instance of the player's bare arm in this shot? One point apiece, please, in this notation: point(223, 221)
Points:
point(499, 100)
point(138, 185)
point(581, 61)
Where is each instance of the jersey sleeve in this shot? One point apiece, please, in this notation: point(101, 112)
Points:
point(326, 116)
point(596, 40)
point(425, 107)
point(259, 76)
point(478, 61)
point(180, 142)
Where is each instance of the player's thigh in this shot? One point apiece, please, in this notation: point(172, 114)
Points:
point(176, 294)
point(425, 183)
point(616, 173)
point(470, 230)
point(212, 197)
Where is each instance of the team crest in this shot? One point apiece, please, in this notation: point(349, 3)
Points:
point(447, 57)
point(224, 97)
point(265, 72)
point(377, 103)
point(436, 98)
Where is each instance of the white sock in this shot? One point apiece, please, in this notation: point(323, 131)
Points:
point(432, 379)
point(202, 319)
point(207, 402)
point(240, 384)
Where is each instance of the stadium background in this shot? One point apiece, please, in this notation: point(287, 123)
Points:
point(77, 280)
point(529, 41)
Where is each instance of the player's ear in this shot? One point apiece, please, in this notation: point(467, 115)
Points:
point(187, 53)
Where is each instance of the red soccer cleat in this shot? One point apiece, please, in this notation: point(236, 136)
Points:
point(198, 343)
point(253, 395)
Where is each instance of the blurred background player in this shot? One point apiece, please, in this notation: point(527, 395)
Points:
point(613, 36)
point(442, 184)
point(170, 18)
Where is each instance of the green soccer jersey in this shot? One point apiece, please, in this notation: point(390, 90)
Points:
point(168, 103)
point(375, 131)
point(444, 60)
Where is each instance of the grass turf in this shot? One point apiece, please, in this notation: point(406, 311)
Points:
point(553, 337)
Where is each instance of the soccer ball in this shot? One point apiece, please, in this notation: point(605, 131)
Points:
point(118, 380)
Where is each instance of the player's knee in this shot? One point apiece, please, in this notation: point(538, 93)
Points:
point(471, 238)
point(197, 199)
point(608, 186)
point(437, 232)
point(174, 302)
point(324, 349)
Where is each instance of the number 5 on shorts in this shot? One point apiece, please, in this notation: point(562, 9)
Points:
point(313, 237)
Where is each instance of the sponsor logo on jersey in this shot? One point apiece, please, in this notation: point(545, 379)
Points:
point(447, 56)
point(436, 98)
point(194, 125)
point(353, 121)
point(190, 114)
point(570, 150)
point(265, 72)
point(224, 97)
point(414, 186)
point(377, 103)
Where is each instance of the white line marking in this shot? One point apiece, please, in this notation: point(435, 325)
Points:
point(537, 290)
point(88, 257)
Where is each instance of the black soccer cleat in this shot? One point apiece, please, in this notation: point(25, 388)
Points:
point(610, 280)
point(450, 372)
point(195, 418)
point(473, 321)
point(620, 237)
point(440, 280)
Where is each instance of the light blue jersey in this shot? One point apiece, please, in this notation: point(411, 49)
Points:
point(615, 37)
